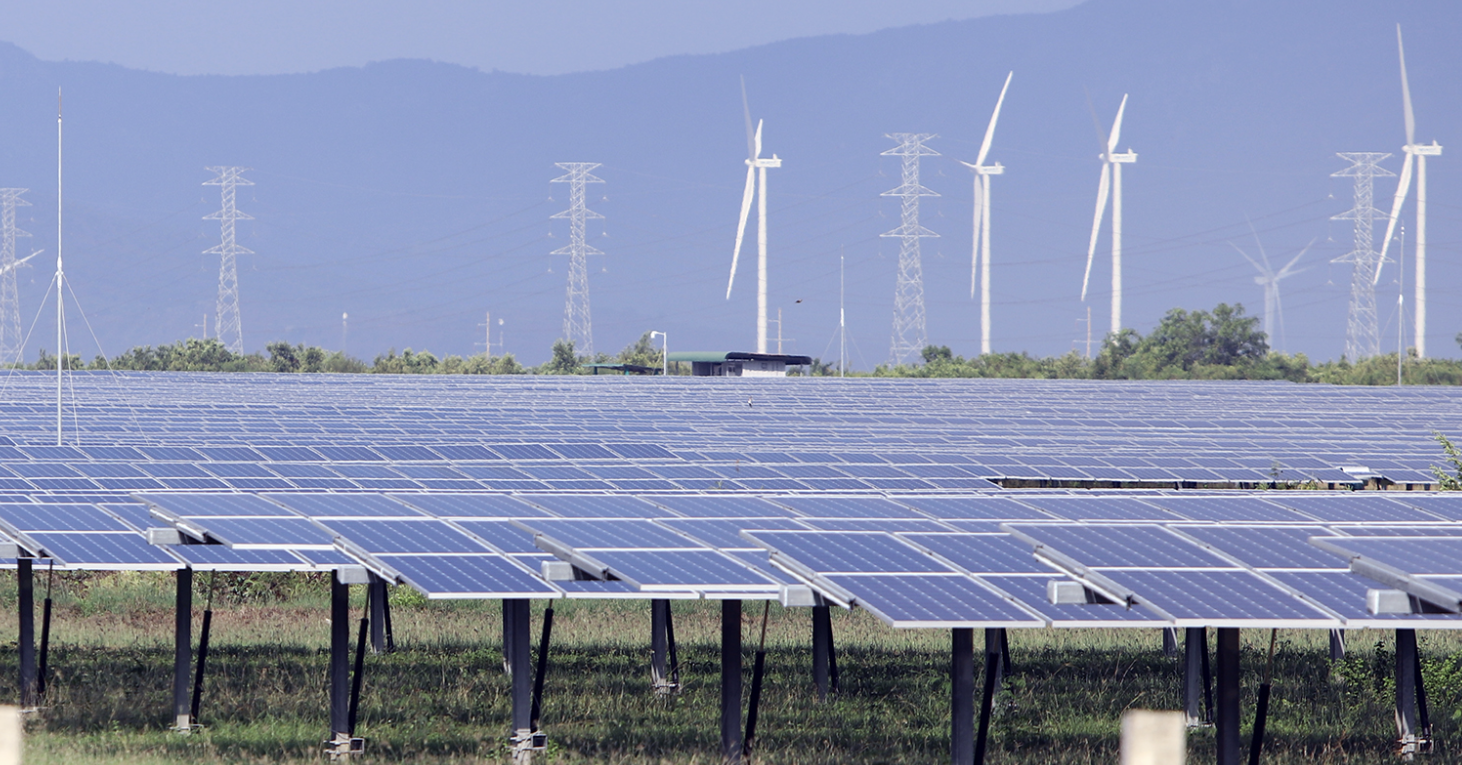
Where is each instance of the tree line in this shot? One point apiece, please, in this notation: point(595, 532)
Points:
point(1222, 344)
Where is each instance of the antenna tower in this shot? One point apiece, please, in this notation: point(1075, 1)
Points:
point(228, 327)
point(1362, 333)
point(10, 338)
point(909, 332)
point(576, 326)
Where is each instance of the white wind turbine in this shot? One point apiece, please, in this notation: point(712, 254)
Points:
point(1269, 279)
point(980, 269)
point(754, 163)
point(1111, 183)
point(1419, 152)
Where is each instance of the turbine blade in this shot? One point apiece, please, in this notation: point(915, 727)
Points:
point(1103, 190)
point(1283, 272)
point(990, 131)
point(746, 110)
point(1402, 187)
point(1406, 92)
point(757, 155)
point(741, 227)
point(1096, 121)
point(1117, 127)
point(1264, 269)
point(1268, 269)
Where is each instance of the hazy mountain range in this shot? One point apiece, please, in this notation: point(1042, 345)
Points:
point(416, 196)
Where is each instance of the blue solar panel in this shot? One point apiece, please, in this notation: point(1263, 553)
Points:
point(640, 451)
point(344, 505)
point(1268, 547)
point(471, 505)
point(466, 452)
point(914, 600)
point(1423, 556)
point(1442, 504)
point(726, 533)
point(979, 553)
point(365, 471)
point(112, 550)
point(214, 504)
point(847, 507)
point(32, 517)
point(583, 451)
point(173, 470)
point(681, 569)
point(328, 558)
point(407, 453)
point(65, 453)
point(848, 551)
point(219, 558)
point(289, 454)
point(1099, 508)
point(126, 453)
point(416, 536)
point(134, 514)
point(42, 469)
point(1339, 591)
point(1216, 597)
point(593, 505)
point(467, 576)
point(1031, 590)
point(1124, 545)
point(231, 454)
point(593, 534)
point(502, 535)
point(260, 533)
point(1350, 507)
point(876, 524)
point(702, 506)
point(1226, 509)
point(349, 453)
point(524, 452)
point(975, 508)
point(171, 453)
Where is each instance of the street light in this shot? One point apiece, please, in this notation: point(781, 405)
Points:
point(664, 351)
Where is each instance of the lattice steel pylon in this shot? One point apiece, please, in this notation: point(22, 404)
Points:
point(576, 325)
point(228, 327)
point(1362, 332)
point(10, 337)
point(909, 331)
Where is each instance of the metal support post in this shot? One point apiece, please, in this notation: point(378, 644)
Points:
point(341, 743)
point(1226, 719)
point(1413, 735)
point(731, 681)
point(27, 606)
point(1195, 650)
point(508, 634)
point(659, 646)
point(1337, 645)
point(520, 643)
point(962, 695)
point(987, 699)
point(541, 673)
point(1170, 642)
point(183, 651)
point(376, 597)
point(821, 649)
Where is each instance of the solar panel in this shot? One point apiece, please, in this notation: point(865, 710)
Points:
point(1226, 509)
point(975, 508)
point(981, 553)
point(911, 600)
point(846, 507)
point(725, 533)
point(1422, 556)
point(683, 569)
point(596, 534)
point(847, 551)
point(1220, 598)
point(278, 533)
point(467, 576)
point(398, 536)
point(1031, 590)
point(1099, 508)
point(592, 505)
point(104, 550)
point(702, 506)
point(219, 558)
point(343, 505)
point(56, 517)
point(1267, 547)
point(502, 535)
point(1126, 546)
point(214, 504)
point(1351, 508)
point(470, 505)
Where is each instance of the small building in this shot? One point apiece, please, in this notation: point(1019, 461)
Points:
point(738, 364)
point(622, 369)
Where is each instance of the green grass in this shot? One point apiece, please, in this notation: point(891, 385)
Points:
point(442, 697)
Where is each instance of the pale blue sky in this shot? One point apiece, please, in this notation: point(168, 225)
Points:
point(534, 37)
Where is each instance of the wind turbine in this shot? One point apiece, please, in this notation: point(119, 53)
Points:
point(1419, 152)
point(1269, 279)
point(1111, 183)
point(980, 269)
point(754, 163)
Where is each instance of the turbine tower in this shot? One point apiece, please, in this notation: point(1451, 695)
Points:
point(576, 326)
point(980, 269)
point(1111, 184)
point(756, 174)
point(1419, 152)
point(909, 332)
point(10, 337)
point(1269, 279)
point(229, 327)
point(1362, 334)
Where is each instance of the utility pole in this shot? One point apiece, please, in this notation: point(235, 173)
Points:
point(487, 334)
point(1362, 333)
point(10, 338)
point(344, 331)
point(204, 325)
point(842, 323)
point(229, 326)
point(909, 331)
point(576, 326)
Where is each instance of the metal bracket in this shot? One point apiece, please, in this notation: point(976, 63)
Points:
point(344, 746)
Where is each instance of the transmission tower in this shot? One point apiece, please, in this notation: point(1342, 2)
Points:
point(10, 338)
point(228, 327)
point(909, 333)
point(576, 326)
point(1362, 333)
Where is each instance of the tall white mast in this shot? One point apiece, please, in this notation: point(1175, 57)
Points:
point(1111, 185)
point(756, 177)
point(60, 277)
point(980, 267)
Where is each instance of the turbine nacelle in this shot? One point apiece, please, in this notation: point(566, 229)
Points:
point(995, 169)
point(1425, 150)
point(1126, 158)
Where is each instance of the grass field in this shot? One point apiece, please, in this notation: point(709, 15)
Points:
point(442, 696)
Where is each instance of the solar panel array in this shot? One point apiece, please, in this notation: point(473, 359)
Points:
point(873, 493)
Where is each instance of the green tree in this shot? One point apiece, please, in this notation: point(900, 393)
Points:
point(564, 361)
point(1447, 482)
